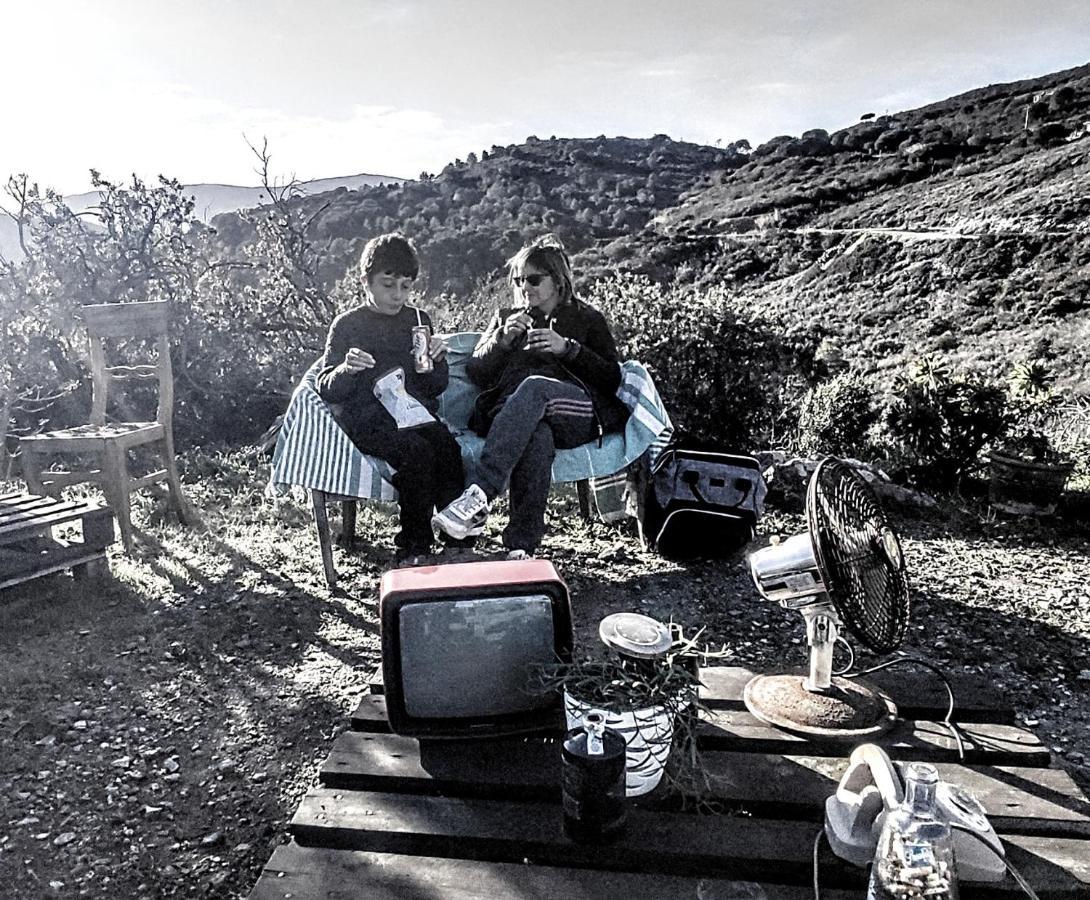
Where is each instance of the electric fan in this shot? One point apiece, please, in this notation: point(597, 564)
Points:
point(847, 572)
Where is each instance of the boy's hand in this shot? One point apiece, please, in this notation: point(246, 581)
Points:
point(438, 347)
point(356, 360)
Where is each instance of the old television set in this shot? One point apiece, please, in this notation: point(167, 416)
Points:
point(462, 647)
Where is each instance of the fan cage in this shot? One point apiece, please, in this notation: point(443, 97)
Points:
point(850, 533)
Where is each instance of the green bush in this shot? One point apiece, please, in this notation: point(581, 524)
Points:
point(726, 380)
point(936, 426)
point(836, 416)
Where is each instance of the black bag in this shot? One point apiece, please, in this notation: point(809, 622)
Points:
point(698, 503)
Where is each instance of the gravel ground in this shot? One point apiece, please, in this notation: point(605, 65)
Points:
point(160, 726)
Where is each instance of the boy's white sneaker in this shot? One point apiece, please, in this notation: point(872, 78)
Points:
point(464, 516)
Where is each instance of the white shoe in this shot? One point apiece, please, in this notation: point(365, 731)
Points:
point(518, 554)
point(464, 516)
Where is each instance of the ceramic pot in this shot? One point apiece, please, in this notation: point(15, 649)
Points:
point(1025, 488)
point(648, 735)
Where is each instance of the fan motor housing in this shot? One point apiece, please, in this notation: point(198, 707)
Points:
point(788, 572)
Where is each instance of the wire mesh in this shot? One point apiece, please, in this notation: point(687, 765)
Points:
point(860, 554)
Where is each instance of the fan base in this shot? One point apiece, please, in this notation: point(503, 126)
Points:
point(850, 710)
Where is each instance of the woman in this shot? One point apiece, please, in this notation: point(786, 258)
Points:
point(549, 375)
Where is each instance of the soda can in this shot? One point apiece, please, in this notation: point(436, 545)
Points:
point(422, 360)
point(592, 776)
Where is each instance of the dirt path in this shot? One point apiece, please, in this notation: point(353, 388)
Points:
point(159, 730)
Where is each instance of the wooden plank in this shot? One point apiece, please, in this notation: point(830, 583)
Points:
point(1017, 799)
point(740, 731)
point(740, 848)
point(310, 873)
point(499, 831)
point(141, 319)
point(522, 768)
point(926, 741)
point(35, 520)
point(29, 506)
point(918, 693)
point(21, 499)
point(74, 555)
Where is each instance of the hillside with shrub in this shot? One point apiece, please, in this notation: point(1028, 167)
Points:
point(959, 230)
point(471, 216)
point(915, 257)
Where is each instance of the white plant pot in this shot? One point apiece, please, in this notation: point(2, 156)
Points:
point(648, 735)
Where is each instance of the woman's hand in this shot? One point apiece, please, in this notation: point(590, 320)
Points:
point(545, 340)
point(438, 347)
point(516, 325)
point(356, 360)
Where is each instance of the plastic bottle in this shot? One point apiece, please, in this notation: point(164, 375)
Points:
point(914, 858)
point(593, 781)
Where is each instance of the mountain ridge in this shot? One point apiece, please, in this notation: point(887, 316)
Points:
point(210, 199)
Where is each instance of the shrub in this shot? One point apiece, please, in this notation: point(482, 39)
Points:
point(725, 379)
point(836, 416)
point(936, 425)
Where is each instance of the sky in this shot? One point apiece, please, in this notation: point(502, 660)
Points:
point(397, 87)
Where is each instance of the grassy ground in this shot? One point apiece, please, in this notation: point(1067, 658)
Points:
point(159, 726)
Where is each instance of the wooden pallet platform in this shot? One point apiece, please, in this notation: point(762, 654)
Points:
point(399, 817)
point(28, 547)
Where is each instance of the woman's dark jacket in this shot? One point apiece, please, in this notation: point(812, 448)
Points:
point(590, 361)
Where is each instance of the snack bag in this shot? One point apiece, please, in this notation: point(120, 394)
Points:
point(407, 411)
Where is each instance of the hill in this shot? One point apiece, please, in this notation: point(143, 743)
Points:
point(959, 229)
point(209, 200)
point(475, 213)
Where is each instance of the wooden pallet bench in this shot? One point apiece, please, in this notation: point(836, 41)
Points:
point(398, 817)
point(28, 547)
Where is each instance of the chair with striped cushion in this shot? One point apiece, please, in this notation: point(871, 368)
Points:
point(313, 451)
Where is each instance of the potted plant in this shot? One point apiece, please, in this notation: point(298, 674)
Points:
point(1027, 472)
point(651, 699)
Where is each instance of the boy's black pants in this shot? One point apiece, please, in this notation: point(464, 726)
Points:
point(429, 473)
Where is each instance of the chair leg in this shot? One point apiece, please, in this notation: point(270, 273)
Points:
point(586, 508)
point(32, 471)
point(348, 520)
point(321, 522)
point(185, 513)
point(115, 485)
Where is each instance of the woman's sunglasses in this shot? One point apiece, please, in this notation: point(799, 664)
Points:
point(532, 280)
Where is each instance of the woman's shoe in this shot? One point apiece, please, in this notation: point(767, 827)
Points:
point(464, 516)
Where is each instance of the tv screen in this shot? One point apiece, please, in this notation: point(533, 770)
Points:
point(461, 645)
point(489, 647)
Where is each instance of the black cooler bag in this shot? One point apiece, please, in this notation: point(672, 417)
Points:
point(698, 503)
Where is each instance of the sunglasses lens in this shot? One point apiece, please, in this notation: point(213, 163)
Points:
point(532, 280)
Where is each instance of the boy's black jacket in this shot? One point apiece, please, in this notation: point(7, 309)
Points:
point(389, 340)
point(590, 361)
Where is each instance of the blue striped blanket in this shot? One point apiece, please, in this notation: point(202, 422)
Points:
point(314, 452)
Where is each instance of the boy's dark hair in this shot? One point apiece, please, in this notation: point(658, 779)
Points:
point(393, 253)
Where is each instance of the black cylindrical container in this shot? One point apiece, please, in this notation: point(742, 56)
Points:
point(593, 782)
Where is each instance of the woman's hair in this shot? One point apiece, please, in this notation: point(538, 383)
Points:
point(393, 253)
point(545, 253)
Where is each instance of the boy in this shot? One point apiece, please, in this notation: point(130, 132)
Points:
point(365, 344)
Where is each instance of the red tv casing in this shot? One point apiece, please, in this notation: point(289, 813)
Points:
point(462, 581)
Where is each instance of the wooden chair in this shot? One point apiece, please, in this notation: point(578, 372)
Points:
point(110, 442)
